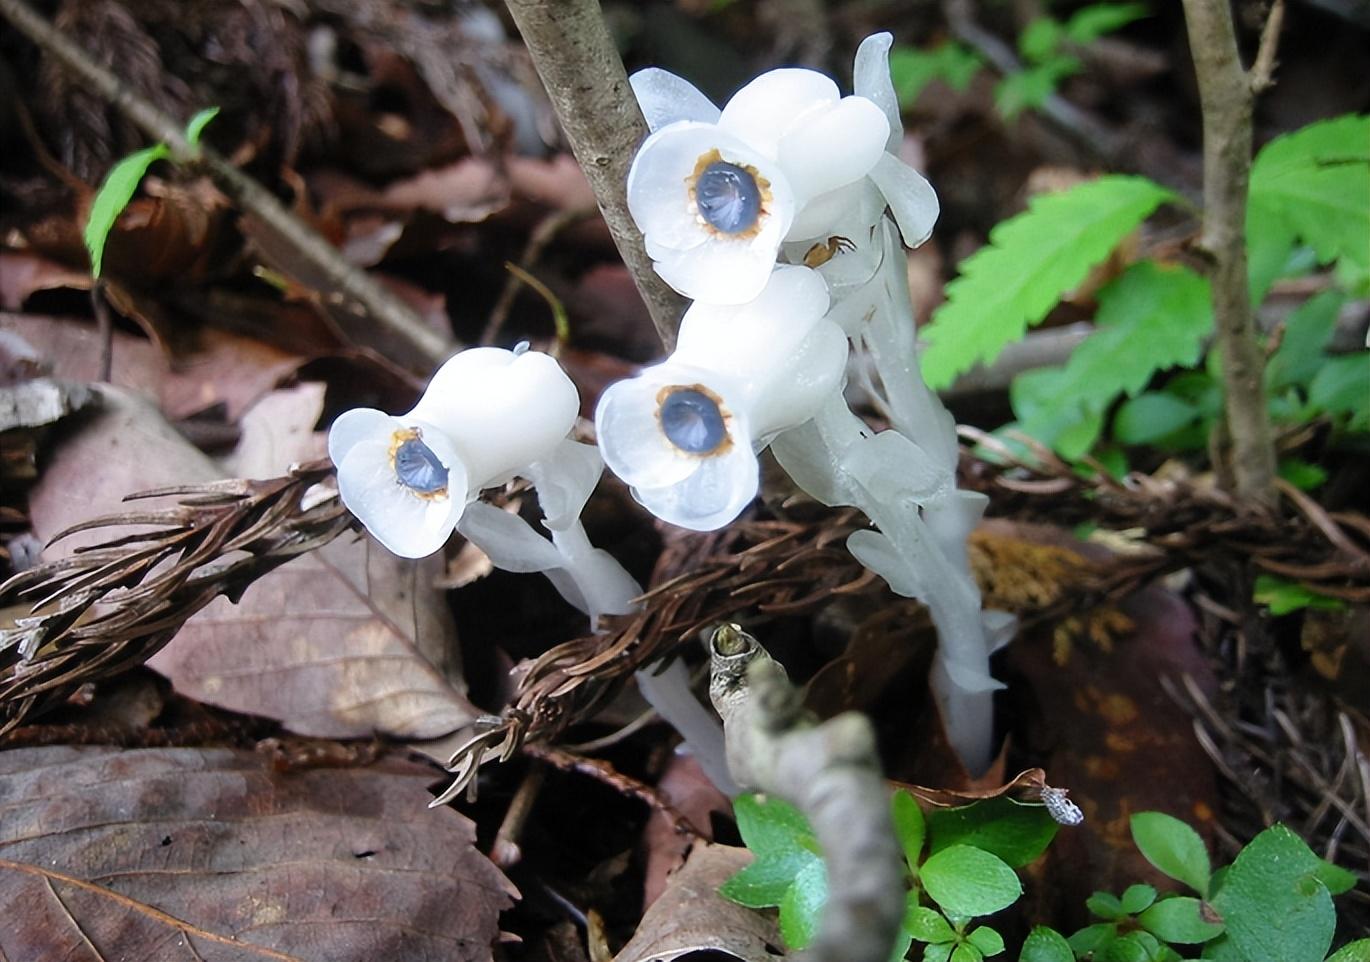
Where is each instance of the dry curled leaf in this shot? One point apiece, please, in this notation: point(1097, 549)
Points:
point(691, 916)
point(208, 854)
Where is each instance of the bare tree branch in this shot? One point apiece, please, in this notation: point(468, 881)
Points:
point(353, 291)
point(1264, 67)
point(1225, 92)
point(576, 59)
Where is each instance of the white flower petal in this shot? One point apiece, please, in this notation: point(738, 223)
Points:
point(629, 431)
point(712, 496)
point(507, 540)
point(766, 108)
point(666, 99)
point(912, 200)
point(602, 584)
point(871, 79)
point(565, 480)
point(358, 425)
point(849, 212)
point(833, 147)
point(722, 271)
point(809, 375)
point(408, 525)
point(500, 410)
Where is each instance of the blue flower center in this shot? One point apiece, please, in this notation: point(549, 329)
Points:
point(692, 421)
point(728, 197)
point(418, 468)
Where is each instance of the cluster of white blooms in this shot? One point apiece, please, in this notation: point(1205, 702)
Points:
point(771, 214)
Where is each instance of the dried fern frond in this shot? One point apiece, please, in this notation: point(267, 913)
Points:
point(112, 606)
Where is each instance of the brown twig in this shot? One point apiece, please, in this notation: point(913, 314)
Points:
point(576, 59)
point(1227, 99)
point(350, 290)
point(1263, 69)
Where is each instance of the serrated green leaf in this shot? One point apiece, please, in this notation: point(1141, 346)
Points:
point(1180, 919)
point(927, 925)
point(1173, 848)
point(1030, 261)
point(1357, 951)
point(1018, 834)
point(802, 905)
point(986, 939)
point(1136, 898)
point(1090, 23)
point(118, 189)
point(1151, 416)
point(909, 826)
point(1040, 38)
point(1272, 903)
point(1029, 88)
point(1045, 945)
point(1282, 596)
point(1093, 938)
point(969, 881)
point(1342, 386)
point(198, 123)
point(1306, 332)
point(1151, 318)
point(1314, 184)
point(1106, 905)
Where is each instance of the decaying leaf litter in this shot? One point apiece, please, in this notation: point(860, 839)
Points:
point(422, 147)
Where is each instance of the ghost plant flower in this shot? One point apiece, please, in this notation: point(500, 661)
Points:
point(486, 416)
point(684, 434)
point(788, 159)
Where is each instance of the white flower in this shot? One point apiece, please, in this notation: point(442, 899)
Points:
point(716, 193)
point(487, 415)
point(684, 433)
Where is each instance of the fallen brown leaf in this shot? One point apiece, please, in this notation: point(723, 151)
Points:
point(209, 854)
point(691, 916)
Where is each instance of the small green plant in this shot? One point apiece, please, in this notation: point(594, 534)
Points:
point(122, 182)
point(1047, 46)
point(1273, 902)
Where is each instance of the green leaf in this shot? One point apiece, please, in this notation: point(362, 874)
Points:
point(1149, 417)
point(1313, 184)
point(1093, 938)
point(1302, 475)
point(1090, 23)
point(1137, 898)
point(1040, 38)
point(1337, 879)
point(1045, 945)
point(1342, 386)
point(911, 70)
point(765, 882)
point(969, 881)
point(1051, 415)
point(771, 826)
point(120, 184)
point(1273, 904)
point(1173, 848)
point(198, 123)
point(1306, 332)
point(1029, 88)
point(1358, 951)
point(1151, 318)
point(1180, 919)
point(1282, 596)
point(1130, 947)
point(986, 939)
point(909, 826)
point(1018, 834)
point(1030, 261)
point(1106, 906)
point(785, 849)
point(802, 905)
point(927, 925)
point(939, 952)
point(966, 952)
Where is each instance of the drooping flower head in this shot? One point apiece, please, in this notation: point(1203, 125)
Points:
point(684, 433)
point(716, 193)
point(487, 415)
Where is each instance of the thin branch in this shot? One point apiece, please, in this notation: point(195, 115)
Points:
point(1225, 92)
point(580, 67)
point(1264, 67)
point(831, 773)
point(357, 295)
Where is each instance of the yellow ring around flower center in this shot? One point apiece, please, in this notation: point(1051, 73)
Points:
point(763, 186)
